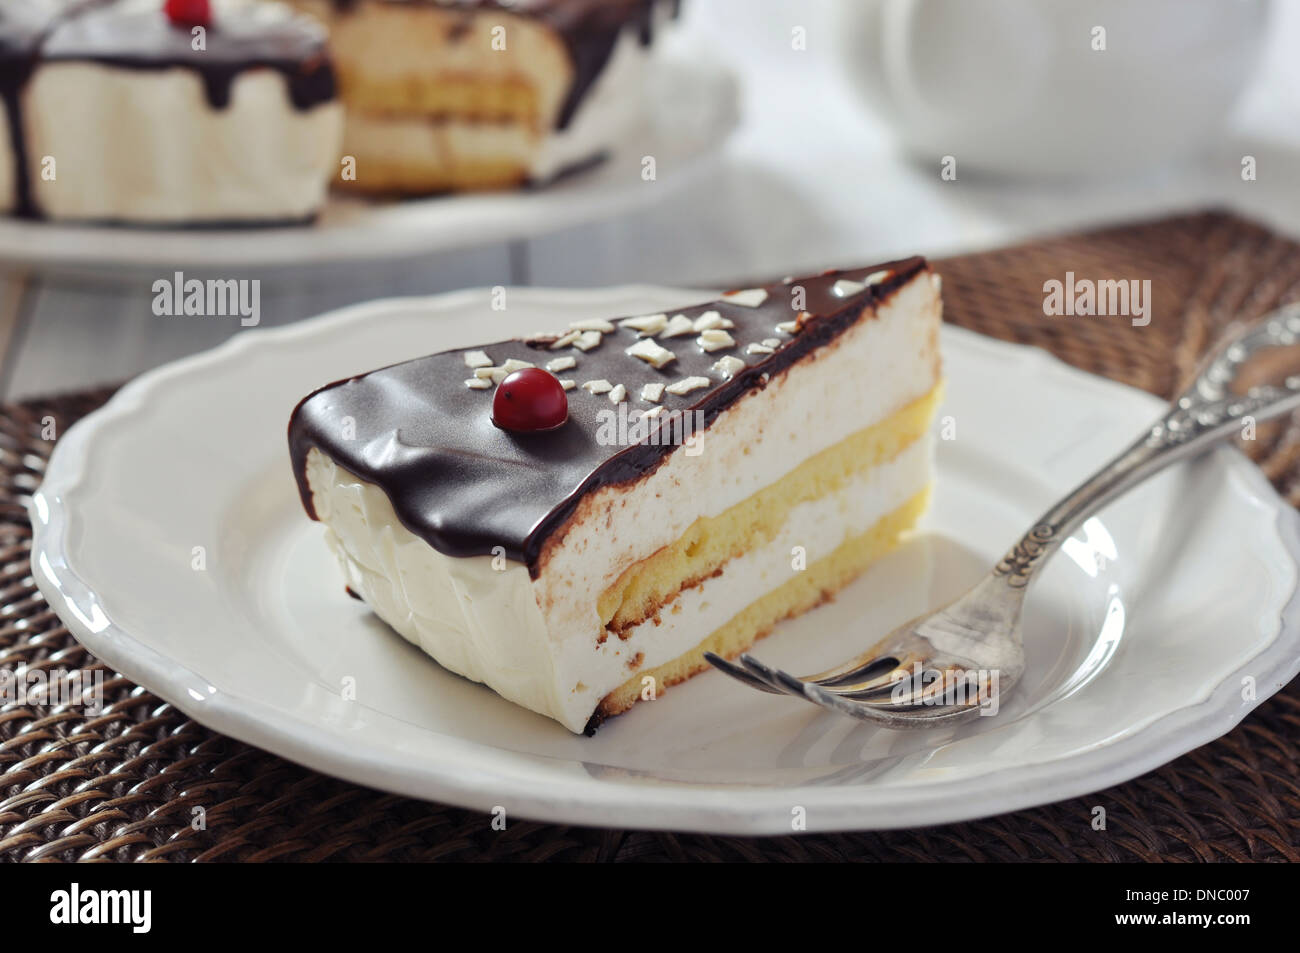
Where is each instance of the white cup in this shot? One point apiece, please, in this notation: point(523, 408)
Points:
point(1053, 87)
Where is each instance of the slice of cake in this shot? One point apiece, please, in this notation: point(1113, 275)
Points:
point(171, 112)
point(574, 520)
point(481, 94)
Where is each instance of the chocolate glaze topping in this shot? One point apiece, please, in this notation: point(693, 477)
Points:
point(590, 29)
point(137, 34)
point(465, 486)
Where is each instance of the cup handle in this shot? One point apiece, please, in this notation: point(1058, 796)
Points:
point(898, 30)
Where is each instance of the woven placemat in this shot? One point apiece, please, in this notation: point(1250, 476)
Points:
point(121, 784)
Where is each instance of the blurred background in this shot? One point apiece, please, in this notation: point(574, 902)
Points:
point(862, 130)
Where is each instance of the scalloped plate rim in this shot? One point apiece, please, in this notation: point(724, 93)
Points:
point(627, 803)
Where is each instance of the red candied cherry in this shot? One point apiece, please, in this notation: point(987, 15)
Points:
point(189, 12)
point(530, 399)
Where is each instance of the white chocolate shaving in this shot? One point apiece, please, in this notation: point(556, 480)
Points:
point(652, 392)
point(727, 366)
point(561, 364)
point(587, 340)
point(716, 340)
point(749, 298)
point(648, 324)
point(618, 394)
point(679, 326)
point(688, 384)
point(478, 383)
point(710, 320)
point(844, 288)
point(476, 359)
point(601, 386)
point(652, 352)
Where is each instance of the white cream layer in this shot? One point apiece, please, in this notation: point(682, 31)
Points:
point(146, 146)
point(484, 622)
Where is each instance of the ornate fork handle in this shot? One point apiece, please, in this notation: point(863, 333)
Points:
point(1204, 413)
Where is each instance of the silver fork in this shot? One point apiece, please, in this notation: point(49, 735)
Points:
point(949, 666)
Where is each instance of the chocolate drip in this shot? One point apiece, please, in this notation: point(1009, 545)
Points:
point(22, 30)
point(590, 29)
point(140, 36)
point(132, 36)
point(308, 84)
point(464, 486)
point(14, 71)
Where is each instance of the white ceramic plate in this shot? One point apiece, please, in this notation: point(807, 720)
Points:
point(691, 111)
point(1139, 634)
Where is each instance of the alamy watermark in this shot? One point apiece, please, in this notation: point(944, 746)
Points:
point(78, 905)
point(623, 427)
point(1109, 297)
point(53, 687)
point(928, 687)
point(179, 296)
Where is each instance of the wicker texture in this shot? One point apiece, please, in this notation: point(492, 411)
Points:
point(121, 784)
